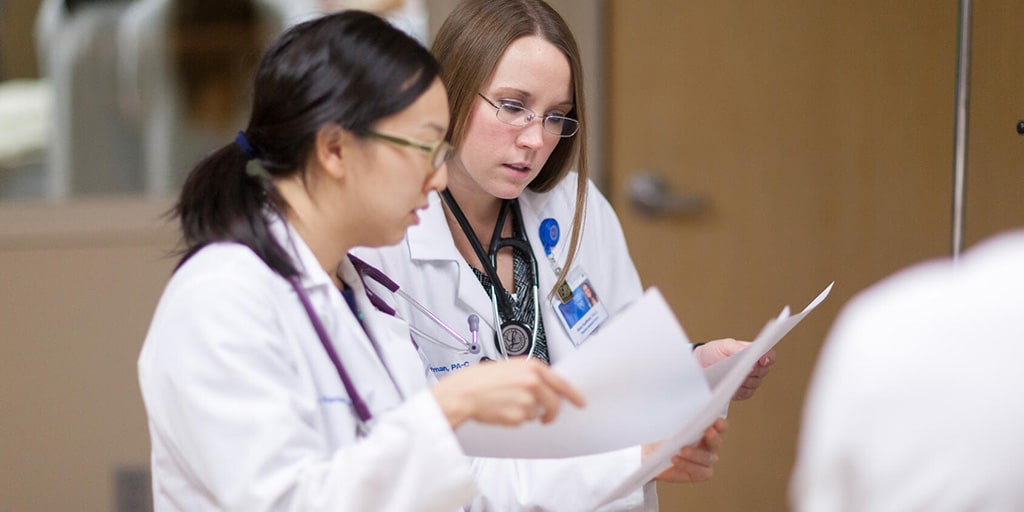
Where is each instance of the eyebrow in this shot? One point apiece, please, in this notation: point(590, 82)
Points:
point(438, 128)
point(527, 95)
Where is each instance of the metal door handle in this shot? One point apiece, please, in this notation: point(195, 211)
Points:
point(650, 194)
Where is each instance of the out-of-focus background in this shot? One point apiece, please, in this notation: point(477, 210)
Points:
point(805, 142)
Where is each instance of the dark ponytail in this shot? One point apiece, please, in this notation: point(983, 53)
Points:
point(351, 69)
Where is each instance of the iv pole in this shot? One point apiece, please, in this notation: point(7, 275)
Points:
point(960, 144)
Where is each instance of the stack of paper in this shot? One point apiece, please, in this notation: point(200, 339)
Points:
point(642, 384)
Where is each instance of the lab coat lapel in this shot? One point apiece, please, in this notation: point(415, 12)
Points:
point(532, 205)
point(335, 315)
point(385, 332)
point(431, 240)
point(312, 277)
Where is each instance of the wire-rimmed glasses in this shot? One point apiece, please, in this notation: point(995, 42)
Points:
point(518, 115)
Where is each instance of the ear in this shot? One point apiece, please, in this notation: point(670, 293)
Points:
point(330, 148)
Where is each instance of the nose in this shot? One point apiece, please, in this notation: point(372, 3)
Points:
point(532, 135)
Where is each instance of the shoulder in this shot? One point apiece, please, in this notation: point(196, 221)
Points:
point(222, 303)
point(965, 309)
point(225, 277)
point(223, 263)
point(986, 276)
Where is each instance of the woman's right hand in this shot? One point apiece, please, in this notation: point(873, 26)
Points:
point(504, 392)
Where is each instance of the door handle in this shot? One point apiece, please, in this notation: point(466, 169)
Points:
point(650, 194)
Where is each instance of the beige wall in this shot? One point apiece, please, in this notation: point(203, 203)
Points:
point(78, 287)
point(17, 45)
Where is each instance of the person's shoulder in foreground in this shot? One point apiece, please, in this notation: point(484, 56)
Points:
point(908, 407)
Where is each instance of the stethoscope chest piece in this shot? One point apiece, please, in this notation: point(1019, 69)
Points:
point(516, 339)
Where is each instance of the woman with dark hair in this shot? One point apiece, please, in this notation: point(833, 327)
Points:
point(269, 380)
point(520, 215)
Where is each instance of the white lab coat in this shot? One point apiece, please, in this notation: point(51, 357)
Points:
point(913, 403)
point(247, 413)
point(427, 265)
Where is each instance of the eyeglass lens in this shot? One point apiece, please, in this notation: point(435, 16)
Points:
point(440, 154)
point(521, 116)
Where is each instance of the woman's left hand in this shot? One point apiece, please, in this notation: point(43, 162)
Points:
point(714, 351)
point(694, 463)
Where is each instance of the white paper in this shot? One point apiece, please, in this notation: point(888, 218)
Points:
point(725, 377)
point(640, 381)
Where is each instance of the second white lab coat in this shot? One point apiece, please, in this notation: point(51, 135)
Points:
point(247, 413)
point(913, 406)
point(427, 266)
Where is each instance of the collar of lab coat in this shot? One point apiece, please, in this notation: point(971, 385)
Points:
point(431, 240)
point(311, 274)
point(314, 279)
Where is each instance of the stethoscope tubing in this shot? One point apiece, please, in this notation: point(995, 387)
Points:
point(488, 261)
point(363, 414)
point(365, 270)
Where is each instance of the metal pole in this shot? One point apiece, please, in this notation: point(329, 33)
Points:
point(963, 73)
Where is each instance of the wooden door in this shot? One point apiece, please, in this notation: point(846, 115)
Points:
point(821, 135)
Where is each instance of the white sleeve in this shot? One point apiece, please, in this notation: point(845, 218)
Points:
point(232, 402)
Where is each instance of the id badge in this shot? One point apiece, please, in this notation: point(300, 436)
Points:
point(584, 312)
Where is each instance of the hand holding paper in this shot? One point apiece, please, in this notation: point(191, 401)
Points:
point(694, 463)
point(725, 377)
point(714, 351)
point(640, 381)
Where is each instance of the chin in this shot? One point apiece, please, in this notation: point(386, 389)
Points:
point(508, 191)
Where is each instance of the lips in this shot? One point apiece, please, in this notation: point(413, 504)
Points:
point(416, 211)
point(518, 167)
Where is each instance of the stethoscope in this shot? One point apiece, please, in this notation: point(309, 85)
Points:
point(365, 270)
point(363, 415)
point(517, 339)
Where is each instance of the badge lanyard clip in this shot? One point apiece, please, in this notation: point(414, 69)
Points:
point(549, 235)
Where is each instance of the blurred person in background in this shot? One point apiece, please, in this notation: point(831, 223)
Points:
point(912, 405)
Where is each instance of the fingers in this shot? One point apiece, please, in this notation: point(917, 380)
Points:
point(694, 463)
point(721, 425)
point(696, 456)
point(712, 440)
point(505, 392)
point(690, 465)
point(550, 391)
point(547, 401)
point(756, 375)
point(561, 386)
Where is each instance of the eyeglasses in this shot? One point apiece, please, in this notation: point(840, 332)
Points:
point(438, 151)
point(518, 115)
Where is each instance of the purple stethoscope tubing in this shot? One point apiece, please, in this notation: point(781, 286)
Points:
point(362, 411)
point(366, 270)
